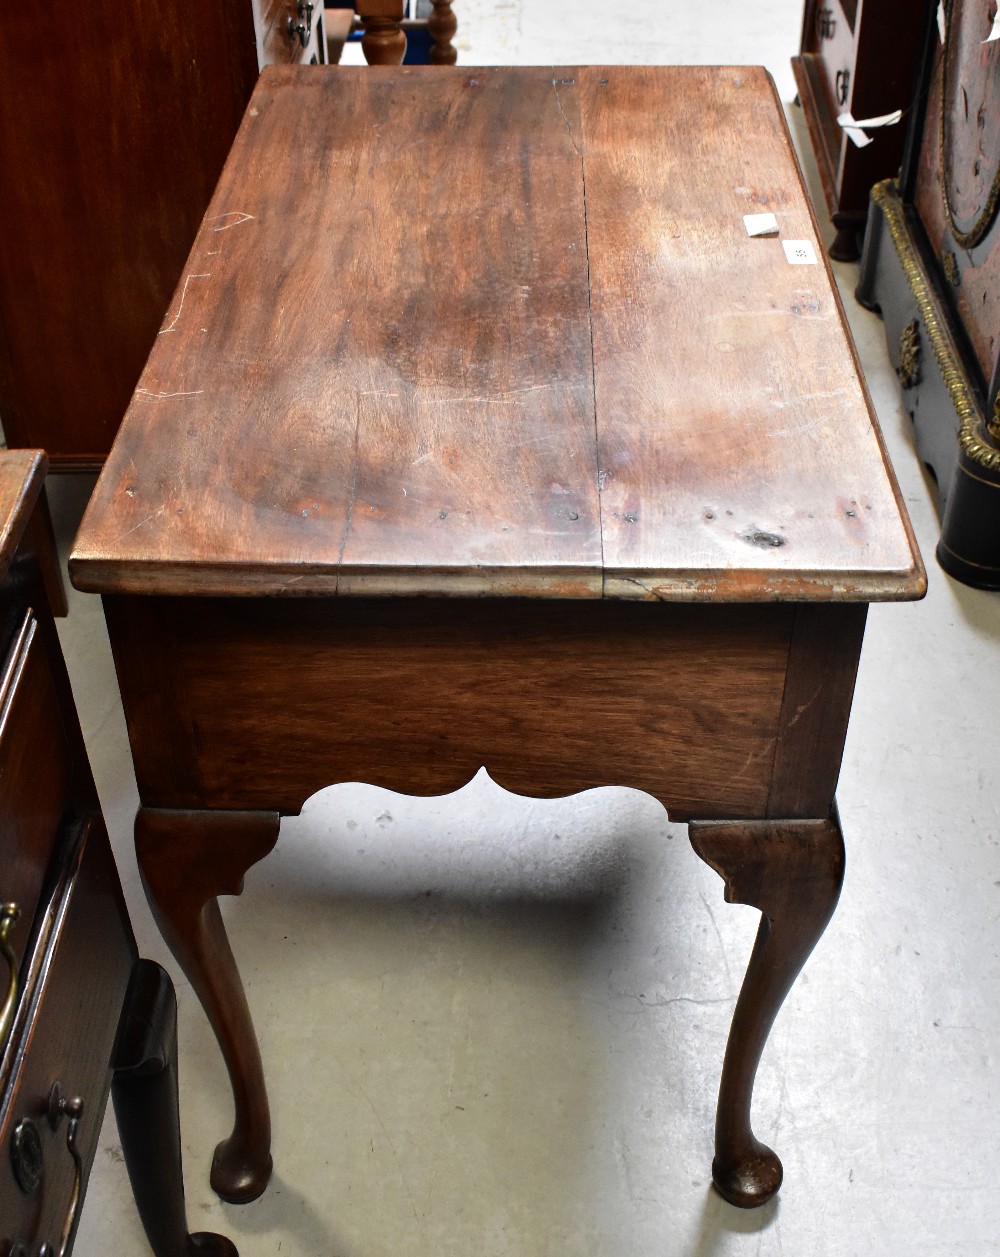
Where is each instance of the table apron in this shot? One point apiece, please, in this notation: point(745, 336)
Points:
point(735, 711)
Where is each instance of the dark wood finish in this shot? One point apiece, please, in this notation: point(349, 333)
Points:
point(187, 859)
point(792, 871)
point(144, 1089)
point(36, 772)
point(529, 688)
point(620, 447)
point(693, 476)
point(384, 41)
point(99, 201)
point(822, 667)
point(73, 940)
point(861, 59)
point(932, 269)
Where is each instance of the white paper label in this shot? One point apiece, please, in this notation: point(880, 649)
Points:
point(942, 29)
point(760, 224)
point(799, 252)
point(856, 128)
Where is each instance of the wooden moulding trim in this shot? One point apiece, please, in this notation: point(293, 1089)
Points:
point(23, 476)
point(935, 320)
point(766, 586)
point(810, 91)
point(232, 580)
point(681, 586)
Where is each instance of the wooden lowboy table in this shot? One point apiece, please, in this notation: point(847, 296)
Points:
point(480, 432)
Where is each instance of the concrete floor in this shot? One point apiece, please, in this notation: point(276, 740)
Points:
point(494, 1026)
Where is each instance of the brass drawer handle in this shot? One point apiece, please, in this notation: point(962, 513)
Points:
point(60, 1107)
point(9, 913)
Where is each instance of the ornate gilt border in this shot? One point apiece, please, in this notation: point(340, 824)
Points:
point(967, 239)
point(886, 197)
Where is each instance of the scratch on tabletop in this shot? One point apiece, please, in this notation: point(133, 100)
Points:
point(145, 392)
point(237, 215)
point(569, 130)
point(173, 322)
point(136, 527)
point(802, 708)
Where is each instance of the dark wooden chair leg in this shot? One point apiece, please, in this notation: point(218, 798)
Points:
point(792, 871)
point(144, 1090)
point(186, 860)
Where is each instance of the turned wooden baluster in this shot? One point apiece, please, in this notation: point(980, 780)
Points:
point(383, 42)
point(442, 25)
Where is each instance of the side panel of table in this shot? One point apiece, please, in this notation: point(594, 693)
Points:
point(686, 702)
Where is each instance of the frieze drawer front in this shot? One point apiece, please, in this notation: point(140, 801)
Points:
point(35, 773)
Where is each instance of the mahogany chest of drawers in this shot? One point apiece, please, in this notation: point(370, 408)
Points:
point(78, 1011)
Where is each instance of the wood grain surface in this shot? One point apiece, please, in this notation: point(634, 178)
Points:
point(114, 125)
point(22, 477)
point(417, 695)
point(503, 331)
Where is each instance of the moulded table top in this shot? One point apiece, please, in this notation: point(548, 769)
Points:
point(503, 331)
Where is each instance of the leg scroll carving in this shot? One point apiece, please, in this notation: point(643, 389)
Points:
point(186, 860)
point(792, 871)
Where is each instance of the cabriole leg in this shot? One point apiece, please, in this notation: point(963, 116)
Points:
point(792, 871)
point(186, 860)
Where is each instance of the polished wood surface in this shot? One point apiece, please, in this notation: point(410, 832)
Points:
point(22, 475)
point(793, 873)
point(567, 371)
point(529, 689)
point(188, 859)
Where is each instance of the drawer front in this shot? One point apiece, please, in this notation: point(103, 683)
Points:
point(291, 32)
point(65, 1032)
point(35, 775)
